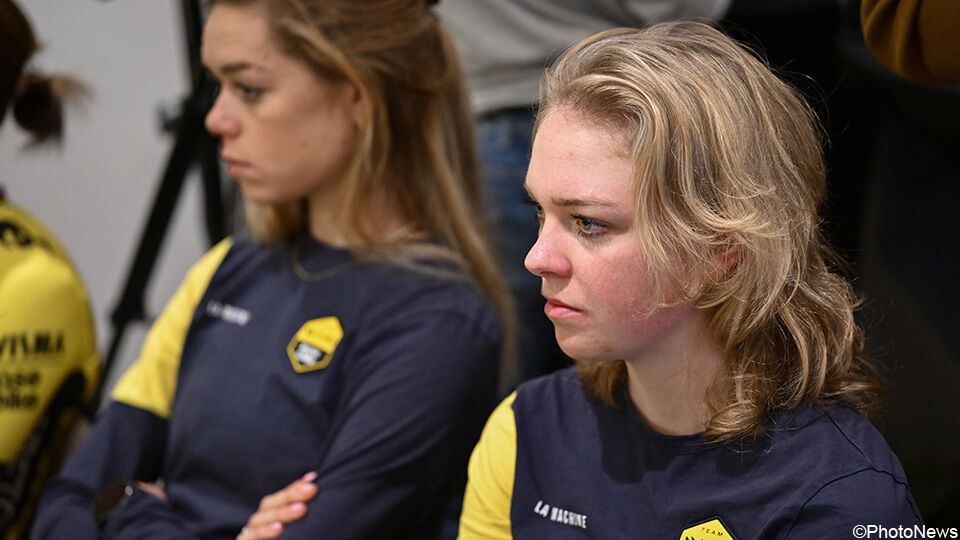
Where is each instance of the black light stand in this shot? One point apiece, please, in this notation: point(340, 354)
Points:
point(193, 146)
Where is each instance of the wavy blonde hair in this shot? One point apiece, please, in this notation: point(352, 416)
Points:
point(415, 145)
point(728, 168)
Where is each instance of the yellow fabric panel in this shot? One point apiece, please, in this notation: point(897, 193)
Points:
point(46, 327)
point(486, 503)
point(151, 381)
point(916, 39)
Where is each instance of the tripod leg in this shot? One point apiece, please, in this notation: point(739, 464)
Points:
point(130, 306)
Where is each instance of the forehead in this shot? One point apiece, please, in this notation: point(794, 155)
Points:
point(571, 153)
point(237, 33)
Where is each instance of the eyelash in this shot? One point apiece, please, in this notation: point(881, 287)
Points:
point(587, 228)
point(539, 209)
point(247, 93)
point(583, 223)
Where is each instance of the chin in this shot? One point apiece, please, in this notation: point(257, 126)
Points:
point(580, 349)
point(576, 349)
point(261, 195)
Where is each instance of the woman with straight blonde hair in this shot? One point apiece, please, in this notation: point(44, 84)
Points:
point(719, 389)
point(356, 341)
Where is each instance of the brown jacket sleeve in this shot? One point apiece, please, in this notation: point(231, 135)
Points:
point(916, 39)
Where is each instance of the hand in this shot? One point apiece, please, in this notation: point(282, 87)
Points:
point(153, 489)
point(278, 509)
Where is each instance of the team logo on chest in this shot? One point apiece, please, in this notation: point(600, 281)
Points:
point(313, 345)
point(708, 530)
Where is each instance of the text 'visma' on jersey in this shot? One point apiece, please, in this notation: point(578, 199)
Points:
point(377, 377)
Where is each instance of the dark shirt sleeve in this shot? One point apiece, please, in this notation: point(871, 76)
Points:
point(145, 517)
point(126, 444)
point(415, 399)
point(865, 498)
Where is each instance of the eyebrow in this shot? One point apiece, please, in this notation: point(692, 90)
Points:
point(234, 67)
point(567, 202)
point(572, 202)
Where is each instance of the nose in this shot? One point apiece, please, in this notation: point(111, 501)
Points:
point(219, 121)
point(546, 257)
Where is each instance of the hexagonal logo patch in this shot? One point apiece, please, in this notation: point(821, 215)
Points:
point(313, 345)
point(708, 530)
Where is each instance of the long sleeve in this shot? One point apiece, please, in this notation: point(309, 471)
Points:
point(414, 403)
point(128, 441)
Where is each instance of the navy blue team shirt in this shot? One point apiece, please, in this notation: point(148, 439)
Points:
point(378, 378)
point(555, 463)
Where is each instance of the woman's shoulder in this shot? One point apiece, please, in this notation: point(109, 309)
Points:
point(556, 399)
point(849, 471)
point(392, 290)
point(847, 465)
point(838, 433)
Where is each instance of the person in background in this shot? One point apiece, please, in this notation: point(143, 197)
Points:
point(355, 340)
point(49, 366)
point(506, 44)
point(719, 388)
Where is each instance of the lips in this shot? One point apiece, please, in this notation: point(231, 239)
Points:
point(555, 309)
point(234, 165)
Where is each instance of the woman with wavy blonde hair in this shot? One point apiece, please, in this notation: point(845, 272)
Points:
point(719, 383)
point(356, 341)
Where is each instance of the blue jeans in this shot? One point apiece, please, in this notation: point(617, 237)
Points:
point(505, 140)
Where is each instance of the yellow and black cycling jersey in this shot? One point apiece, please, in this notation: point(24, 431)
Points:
point(272, 361)
point(49, 364)
point(555, 463)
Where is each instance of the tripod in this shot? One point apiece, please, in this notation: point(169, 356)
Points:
point(193, 146)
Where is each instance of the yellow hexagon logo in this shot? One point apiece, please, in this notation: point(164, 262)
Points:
point(708, 530)
point(312, 346)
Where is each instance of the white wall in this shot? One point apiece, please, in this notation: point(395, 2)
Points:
point(96, 191)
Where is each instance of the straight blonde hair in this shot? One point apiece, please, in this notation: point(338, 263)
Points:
point(416, 144)
point(728, 167)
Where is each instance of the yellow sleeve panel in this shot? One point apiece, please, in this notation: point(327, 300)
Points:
point(486, 503)
point(916, 39)
point(46, 327)
point(150, 383)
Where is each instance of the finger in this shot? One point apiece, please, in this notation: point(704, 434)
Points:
point(284, 514)
point(271, 530)
point(152, 489)
point(300, 490)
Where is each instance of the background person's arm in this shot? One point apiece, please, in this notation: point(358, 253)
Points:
point(916, 39)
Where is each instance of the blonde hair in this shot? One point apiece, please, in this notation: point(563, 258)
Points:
point(415, 145)
point(729, 175)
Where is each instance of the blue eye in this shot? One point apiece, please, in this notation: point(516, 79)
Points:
point(588, 228)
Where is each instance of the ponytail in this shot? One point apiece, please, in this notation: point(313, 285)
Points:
point(38, 104)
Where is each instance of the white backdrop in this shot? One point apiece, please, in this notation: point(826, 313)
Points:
point(96, 191)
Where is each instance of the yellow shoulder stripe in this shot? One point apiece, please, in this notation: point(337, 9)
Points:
point(486, 503)
point(151, 381)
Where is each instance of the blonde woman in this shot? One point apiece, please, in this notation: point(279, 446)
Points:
point(357, 339)
point(719, 387)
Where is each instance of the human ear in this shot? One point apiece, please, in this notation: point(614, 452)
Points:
point(726, 257)
point(358, 102)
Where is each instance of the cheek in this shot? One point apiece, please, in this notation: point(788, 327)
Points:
point(631, 308)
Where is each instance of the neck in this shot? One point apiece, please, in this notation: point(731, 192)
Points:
point(669, 383)
point(325, 223)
